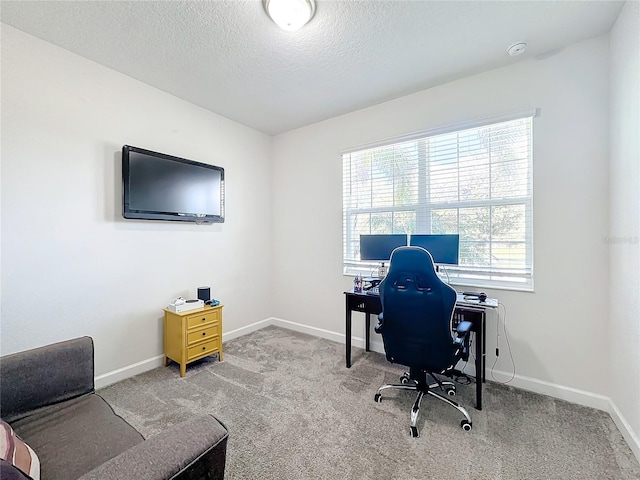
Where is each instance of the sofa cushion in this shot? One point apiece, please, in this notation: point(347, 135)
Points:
point(16, 452)
point(76, 436)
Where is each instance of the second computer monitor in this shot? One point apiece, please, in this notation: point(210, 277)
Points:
point(443, 248)
point(379, 247)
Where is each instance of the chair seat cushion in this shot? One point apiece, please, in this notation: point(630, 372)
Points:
point(76, 436)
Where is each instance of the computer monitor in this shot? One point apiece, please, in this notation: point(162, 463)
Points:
point(379, 247)
point(443, 248)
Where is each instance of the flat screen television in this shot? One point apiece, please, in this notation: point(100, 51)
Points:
point(156, 186)
point(443, 248)
point(379, 247)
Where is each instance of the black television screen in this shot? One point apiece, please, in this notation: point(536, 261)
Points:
point(379, 247)
point(162, 187)
point(443, 248)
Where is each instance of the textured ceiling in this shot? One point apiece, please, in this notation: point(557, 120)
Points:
point(228, 57)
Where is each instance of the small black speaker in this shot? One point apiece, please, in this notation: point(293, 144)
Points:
point(204, 294)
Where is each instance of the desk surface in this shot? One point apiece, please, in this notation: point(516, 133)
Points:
point(461, 300)
point(474, 302)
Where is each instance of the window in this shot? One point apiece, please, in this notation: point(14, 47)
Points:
point(472, 180)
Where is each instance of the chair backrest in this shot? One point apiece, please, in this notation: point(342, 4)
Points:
point(417, 312)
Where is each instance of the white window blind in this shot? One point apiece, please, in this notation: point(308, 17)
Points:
point(476, 182)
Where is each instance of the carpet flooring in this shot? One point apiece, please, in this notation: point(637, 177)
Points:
point(295, 412)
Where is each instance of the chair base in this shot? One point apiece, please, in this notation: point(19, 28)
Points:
point(422, 387)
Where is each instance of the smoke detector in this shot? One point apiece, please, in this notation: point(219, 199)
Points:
point(516, 49)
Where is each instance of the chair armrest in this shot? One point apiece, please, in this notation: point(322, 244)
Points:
point(45, 376)
point(378, 327)
point(195, 448)
point(462, 331)
point(464, 327)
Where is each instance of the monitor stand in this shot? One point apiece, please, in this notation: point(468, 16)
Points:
point(382, 270)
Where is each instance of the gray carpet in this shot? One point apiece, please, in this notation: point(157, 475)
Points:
point(295, 412)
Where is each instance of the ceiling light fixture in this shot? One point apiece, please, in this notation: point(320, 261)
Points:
point(290, 15)
point(516, 49)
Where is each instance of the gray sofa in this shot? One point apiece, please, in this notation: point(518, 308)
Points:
point(47, 396)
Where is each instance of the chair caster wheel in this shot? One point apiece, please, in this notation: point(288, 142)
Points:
point(378, 397)
point(451, 391)
point(414, 432)
point(466, 426)
point(404, 379)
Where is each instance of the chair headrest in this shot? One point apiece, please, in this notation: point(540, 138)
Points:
point(412, 259)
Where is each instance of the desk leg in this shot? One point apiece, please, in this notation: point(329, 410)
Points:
point(348, 333)
point(484, 347)
point(367, 334)
point(480, 342)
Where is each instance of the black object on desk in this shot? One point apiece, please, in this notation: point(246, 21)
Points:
point(371, 305)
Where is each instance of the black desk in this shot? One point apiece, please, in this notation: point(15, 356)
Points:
point(370, 305)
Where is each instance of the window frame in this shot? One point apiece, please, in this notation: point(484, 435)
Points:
point(521, 279)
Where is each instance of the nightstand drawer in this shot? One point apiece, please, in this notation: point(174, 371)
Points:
point(194, 336)
point(202, 349)
point(202, 318)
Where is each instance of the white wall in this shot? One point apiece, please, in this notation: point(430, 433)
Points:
point(624, 227)
point(71, 265)
point(559, 333)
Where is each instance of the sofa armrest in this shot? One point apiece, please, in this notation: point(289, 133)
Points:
point(195, 448)
point(45, 376)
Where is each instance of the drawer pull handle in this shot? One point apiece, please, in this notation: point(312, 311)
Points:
point(204, 348)
point(204, 333)
point(203, 319)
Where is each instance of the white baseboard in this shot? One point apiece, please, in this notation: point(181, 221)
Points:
point(129, 371)
point(573, 395)
point(239, 332)
point(627, 432)
point(123, 373)
point(569, 394)
point(316, 332)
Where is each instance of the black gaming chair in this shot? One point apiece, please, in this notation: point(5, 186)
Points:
point(416, 328)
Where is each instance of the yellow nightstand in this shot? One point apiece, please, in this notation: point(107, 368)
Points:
point(192, 335)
